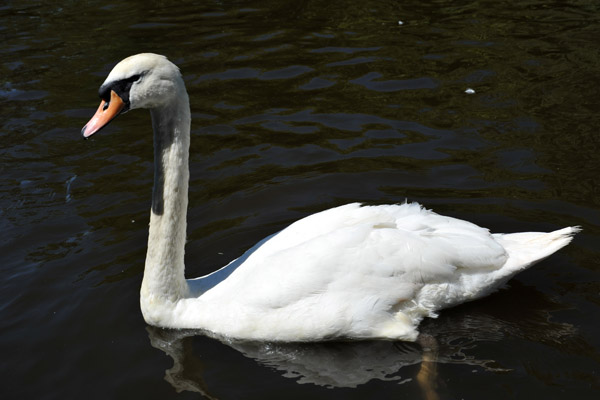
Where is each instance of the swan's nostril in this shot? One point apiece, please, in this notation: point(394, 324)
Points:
point(106, 104)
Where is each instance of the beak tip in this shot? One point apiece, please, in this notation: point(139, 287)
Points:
point(84, 132)
point(105, 113)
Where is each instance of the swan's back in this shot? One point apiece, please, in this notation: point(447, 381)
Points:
point(360, 272)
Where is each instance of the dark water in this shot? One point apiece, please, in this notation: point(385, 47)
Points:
point(298, 106)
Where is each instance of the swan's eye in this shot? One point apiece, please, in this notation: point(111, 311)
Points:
point(125, 85)
point(133, 79)
point(121, 87)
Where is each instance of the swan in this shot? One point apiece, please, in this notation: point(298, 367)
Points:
point(351, 272)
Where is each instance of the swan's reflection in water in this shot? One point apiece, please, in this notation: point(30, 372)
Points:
point(452, 338)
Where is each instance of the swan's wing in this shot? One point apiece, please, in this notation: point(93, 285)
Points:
point(382, 253)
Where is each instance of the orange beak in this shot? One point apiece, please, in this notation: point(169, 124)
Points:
point(105, 113)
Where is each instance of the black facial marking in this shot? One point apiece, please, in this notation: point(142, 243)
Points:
point(121, 88)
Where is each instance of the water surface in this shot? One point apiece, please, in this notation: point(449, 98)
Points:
point(297, 107)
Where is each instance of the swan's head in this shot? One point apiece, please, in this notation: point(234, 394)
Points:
point(142, 81)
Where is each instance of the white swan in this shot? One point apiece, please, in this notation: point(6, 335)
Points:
point(353, 271)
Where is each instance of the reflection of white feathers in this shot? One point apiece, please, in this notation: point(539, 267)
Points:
point(348, 272)
point(461, 336)
point(336, 364)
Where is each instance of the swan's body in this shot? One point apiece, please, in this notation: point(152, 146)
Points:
point(348, 272)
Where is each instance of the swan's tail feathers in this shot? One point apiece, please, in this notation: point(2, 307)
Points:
point(526, 248)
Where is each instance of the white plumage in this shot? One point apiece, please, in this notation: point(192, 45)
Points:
point(349, 272)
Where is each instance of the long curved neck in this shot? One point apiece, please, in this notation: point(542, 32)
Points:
point(164, 277)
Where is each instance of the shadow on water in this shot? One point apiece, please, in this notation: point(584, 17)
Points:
point(453, 338)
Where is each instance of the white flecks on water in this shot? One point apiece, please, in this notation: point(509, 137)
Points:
point(469, 91)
